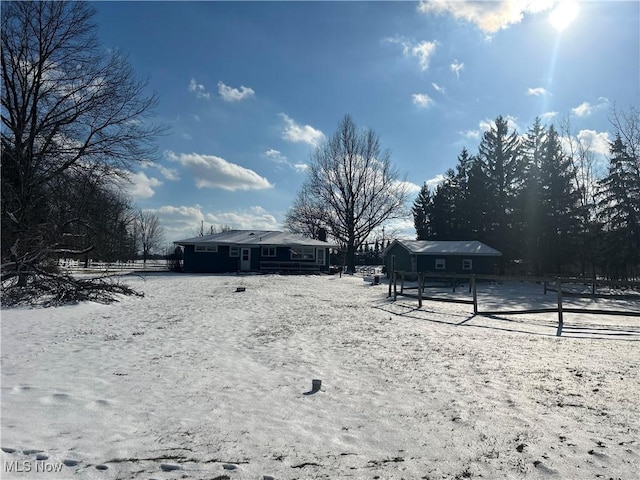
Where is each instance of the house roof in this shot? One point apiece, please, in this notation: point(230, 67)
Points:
point(442, 247)
point(254, 237)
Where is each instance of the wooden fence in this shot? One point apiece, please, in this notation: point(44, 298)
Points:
point(453, 280)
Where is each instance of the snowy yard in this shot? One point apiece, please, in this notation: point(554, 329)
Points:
point(198, 381)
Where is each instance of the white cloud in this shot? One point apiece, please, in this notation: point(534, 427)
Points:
point(586, 108)
point(432, 183)
point(198, 89)
point(456, 67)
point(139, 185)
point(211, 171)
point(296, 133)
point(230, 94)
point(583, 109)
point(548, 115)
point(490, 16)
point(423, 51)
point(437, 87)
point(409, 187)
point(180, 222)
point(167, 173)
point(597, 142)
point(422, 100)
point(255, 217)
point(537, 91)
point(278, 158)
point(471, 134)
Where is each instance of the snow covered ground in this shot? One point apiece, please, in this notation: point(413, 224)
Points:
point(198, 381)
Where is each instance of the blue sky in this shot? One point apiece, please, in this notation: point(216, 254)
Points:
point(248, 89)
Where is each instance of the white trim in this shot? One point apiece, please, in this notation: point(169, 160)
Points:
point(205, 248)
point(321, 256)
point(303, 253)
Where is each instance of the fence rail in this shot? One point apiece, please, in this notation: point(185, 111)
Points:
point(453, 278)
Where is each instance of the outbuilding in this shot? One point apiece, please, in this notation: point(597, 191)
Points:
point(441, 257)
point(254, 251)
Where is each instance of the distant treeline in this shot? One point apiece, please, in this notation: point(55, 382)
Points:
point(545, 200)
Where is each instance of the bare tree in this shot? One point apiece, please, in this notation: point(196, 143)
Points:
point(70, 110)
point(150, 233)
point(351, 189)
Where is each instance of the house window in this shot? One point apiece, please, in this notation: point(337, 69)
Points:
point(467, 264)
point(206, 248)
point(234, 251)
point(440, 265)
point(320, 256)
point(268, 251)
point(303, 253)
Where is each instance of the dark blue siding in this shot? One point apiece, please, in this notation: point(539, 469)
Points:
point(221, 262)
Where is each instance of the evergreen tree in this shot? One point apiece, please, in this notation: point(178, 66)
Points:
point(443, 213)
point(464, 199)
point(619, 210)
point(529, 199)
point(499, 153)
point(558, 205)
point(421, 208)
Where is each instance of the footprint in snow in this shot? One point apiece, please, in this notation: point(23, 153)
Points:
point(70, 463)
point(8, 450)
point(168, 467)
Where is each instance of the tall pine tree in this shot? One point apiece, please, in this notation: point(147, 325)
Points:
point(619, 210)
point(499, 153)
point(421, 213)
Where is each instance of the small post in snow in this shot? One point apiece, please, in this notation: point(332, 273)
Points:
point(475, 294)
point(395, 285)
point(560, 321)
point(420, 286)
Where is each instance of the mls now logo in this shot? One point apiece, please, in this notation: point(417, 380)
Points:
point(29, 466)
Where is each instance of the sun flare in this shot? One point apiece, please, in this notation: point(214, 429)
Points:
point(564, 14)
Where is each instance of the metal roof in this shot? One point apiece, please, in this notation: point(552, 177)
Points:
point(254, 237)
point(443, 247)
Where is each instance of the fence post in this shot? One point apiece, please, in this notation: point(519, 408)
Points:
point(395, 285)
point(390, 282)
point(560, 321)
point(475, 294)
point(545, 287)
point(420, 285)
point(402, 284)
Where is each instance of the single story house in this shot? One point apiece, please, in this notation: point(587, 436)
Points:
point(441, 256)
point(254, 251)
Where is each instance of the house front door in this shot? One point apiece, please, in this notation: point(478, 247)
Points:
point(245, 259)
